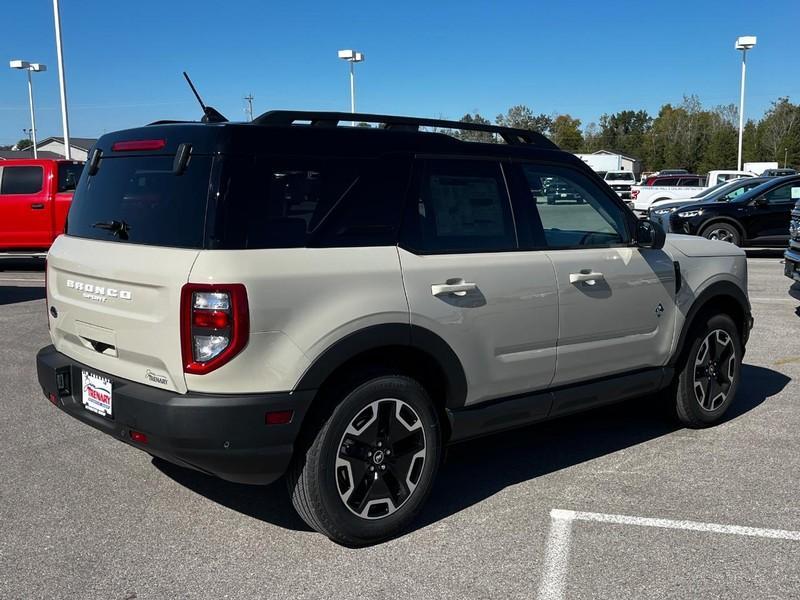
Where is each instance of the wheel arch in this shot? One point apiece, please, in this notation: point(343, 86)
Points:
point(407, 349)
point(719, 297)
point(723, 219)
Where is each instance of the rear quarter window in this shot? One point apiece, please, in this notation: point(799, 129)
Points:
point(278, 202)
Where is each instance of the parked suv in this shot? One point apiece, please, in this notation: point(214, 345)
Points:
point(759, 217)
point(338, 304)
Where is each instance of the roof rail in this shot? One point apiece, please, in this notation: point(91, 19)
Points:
point(332, 119)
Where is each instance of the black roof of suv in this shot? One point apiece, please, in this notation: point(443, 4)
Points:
point(130, 192)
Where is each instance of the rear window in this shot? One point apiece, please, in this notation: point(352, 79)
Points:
point(139, 200)
point(68, 176)
point(619, 176)
point(21, 180)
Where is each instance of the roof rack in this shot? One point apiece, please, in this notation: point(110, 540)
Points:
point(332, 119)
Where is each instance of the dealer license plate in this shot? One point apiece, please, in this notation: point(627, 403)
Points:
point(97, 396)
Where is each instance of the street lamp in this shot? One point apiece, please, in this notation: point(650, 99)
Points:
point(743, 43)
point(62, 81)
point(35, 67)
point(352, 57)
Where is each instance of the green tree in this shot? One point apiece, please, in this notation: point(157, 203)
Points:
point(566, 133)
point(522, 117)
point(475, 136)
point(24, 144)
point(625, 132)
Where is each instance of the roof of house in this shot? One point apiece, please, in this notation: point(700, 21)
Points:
point(75, 142)
point(12, 154)
point(615, 153)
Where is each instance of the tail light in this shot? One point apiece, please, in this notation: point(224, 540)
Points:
point(215, 325)
point(634, 194)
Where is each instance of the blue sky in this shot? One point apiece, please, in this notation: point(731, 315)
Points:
point(445, 58)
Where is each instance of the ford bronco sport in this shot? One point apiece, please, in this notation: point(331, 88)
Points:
point(336, 304)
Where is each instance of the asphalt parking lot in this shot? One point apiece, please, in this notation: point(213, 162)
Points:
point(656, 511)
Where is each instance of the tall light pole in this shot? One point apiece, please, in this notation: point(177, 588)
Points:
point(352, 57)
point(62, 80)
point(36, 68)
point(743, 43)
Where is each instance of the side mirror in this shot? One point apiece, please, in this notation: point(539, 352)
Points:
point(760, 201)
point(650, 235)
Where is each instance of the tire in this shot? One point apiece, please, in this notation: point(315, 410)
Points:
point(724, 232)
point(710, 372)
point(370, 467)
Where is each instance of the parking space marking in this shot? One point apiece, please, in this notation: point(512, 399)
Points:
point(773, 300)
point(556, 559)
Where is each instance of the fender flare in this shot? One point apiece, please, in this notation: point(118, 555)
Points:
point(719, 289)
point(375, 337)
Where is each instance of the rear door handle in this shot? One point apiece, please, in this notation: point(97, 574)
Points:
point(586, 276)
point(457, 287)
point(37, 206)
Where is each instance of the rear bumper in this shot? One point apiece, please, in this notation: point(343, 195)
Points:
point(222, 435)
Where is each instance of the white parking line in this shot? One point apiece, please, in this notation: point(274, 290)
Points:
point(556, 558)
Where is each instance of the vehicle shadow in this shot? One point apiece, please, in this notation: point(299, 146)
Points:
point(14, 294)
point(478, 469)
point(764, 252)
point(22, 264)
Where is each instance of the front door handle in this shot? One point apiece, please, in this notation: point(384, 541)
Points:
point(586, 276)
point(457, 287)
point(37, 206)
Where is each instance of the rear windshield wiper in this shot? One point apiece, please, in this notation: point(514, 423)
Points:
point(118, 228)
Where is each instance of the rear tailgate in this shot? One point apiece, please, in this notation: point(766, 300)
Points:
point(134, 230)
point(118, 307)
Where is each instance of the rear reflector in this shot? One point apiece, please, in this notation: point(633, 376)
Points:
point(215, 319)
point(133, 145)
point(138, 437)
point(278, 417)
point(52, 397)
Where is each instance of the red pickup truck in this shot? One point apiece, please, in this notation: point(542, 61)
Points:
point(35, 195)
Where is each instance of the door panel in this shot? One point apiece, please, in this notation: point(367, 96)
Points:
point(623, 321)
point(504, 330)
point(25, 209)
point(465, 280)
point(616, 308)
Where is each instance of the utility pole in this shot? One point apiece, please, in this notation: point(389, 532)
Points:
point(785, 156)
point(249, 110)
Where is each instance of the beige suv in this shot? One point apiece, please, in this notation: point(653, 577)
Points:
point(291, 296)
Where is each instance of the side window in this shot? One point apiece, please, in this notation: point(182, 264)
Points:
point(459, 206)
point(689, 181)
point(572, 211)
point(22, 180)
point(786, 193)
point(370, 212)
